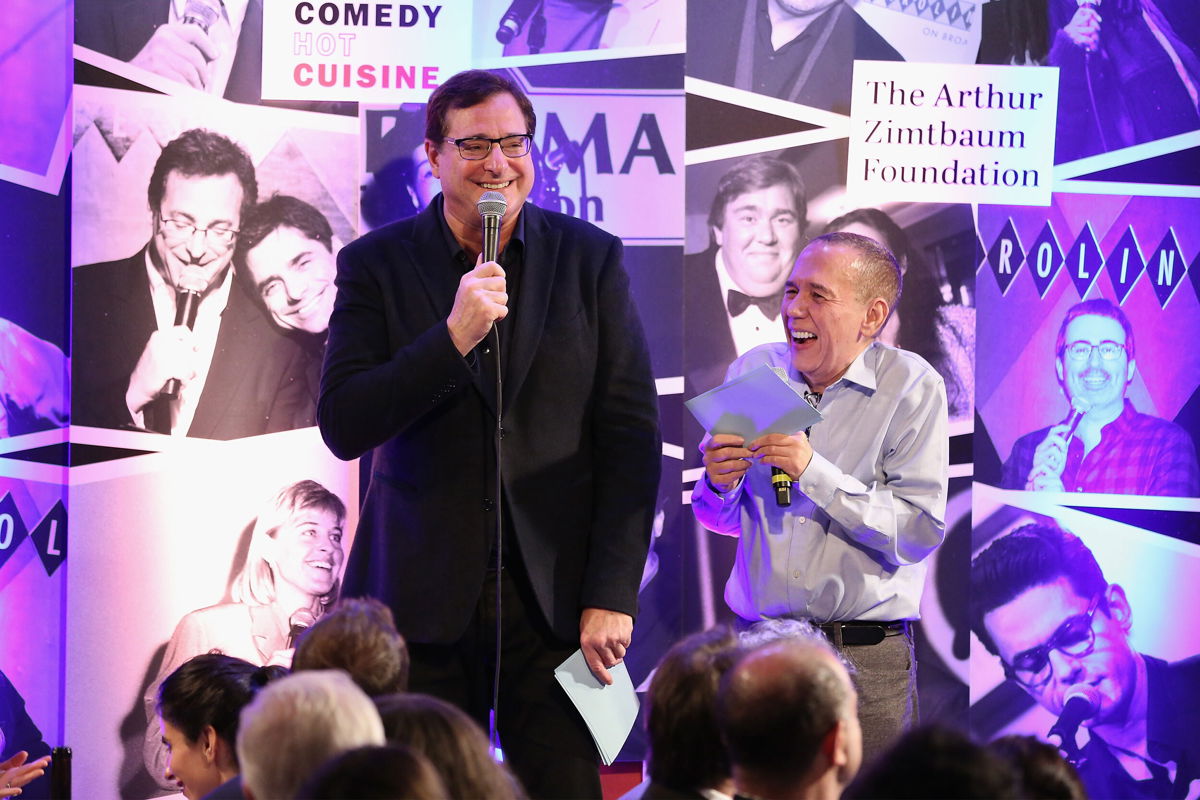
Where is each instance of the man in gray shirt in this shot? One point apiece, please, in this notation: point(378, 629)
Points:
point(848, 552)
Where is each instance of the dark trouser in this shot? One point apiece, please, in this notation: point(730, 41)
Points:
point(885, 676)
point(545, 741)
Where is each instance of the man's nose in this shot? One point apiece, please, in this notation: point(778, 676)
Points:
point(1064, 668)
point(1094, 357)
point(291, 287)
point(197, 244)
point(765, 232)
point(495, 159)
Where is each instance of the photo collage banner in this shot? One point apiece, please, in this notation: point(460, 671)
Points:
point(1032, 165)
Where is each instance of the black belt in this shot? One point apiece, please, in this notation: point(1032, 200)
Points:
point(858, 632)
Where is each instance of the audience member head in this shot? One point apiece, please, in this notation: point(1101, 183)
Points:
point(451, 740)
point(686, 753)
point(383, 772)
point(935, 763)
point(766, 631)
point(198, 707)
point(788, 715)
point(358, 636)
point(1041, 769)
point(296, 724)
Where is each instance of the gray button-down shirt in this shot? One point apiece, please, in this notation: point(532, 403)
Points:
point(871, 505)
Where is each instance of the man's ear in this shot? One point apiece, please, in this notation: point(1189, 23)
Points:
point(1058, 368)
point(434, 154)
point(877, 314)
point(835, 746)
point(1118, 606)
point(1132, 368)
point(717, 235)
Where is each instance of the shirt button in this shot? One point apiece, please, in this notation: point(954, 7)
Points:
point(487, 504)
point(796, 574)
point(802, 520)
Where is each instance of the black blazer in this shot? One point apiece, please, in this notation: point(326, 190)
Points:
point(255, 382)
point(581, 443)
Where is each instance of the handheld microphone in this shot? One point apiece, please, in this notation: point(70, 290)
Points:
point(513, 21)
point(202, 13)
point(1079, 407)
point(491, 207)
point(187, 302)
point(1082, 703)
point(781, 482)
point(301, 620)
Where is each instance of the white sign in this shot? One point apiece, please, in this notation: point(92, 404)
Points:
point(962, 133)
point(375, 51)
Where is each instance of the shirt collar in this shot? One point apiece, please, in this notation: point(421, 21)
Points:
point(456, 249)
point(861, 370)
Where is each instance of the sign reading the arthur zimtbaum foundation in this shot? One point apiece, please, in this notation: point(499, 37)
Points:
point(952, 133)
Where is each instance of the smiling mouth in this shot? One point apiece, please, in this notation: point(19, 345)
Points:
point(325, 565)
point(494, 186)
point(801, 337)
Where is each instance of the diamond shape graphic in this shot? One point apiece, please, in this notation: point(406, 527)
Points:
point(1084, 261)
point(12, 528)
point(1125, 265)
point(1006, 256)
point(1167, 268)
point(50, 536)
point(1045, 259)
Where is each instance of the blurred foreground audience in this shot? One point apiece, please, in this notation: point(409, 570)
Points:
point(376, 773)
point(357, 636)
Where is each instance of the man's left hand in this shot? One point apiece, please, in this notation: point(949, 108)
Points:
point(790, 453)
point(603, 637)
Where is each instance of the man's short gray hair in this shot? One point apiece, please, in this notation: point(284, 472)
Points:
point(298, 723)
point(878, 271)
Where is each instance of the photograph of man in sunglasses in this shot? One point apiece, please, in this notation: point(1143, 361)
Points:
point(1041, 604)
point(1104, 444)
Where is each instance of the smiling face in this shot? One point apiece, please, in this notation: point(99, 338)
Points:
point(1032, 618)
point(1102, 383)
point(210, 202)
point(189, 764)
point(827, 325)
point(759, 237)
point(464, 181)
point(309, 550)
point(294, 277)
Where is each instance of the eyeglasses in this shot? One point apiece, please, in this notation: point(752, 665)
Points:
point(1076, 637)
point(1082, 351)
point(180, 229)
point(476, 148)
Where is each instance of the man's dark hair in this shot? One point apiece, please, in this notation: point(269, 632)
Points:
point(375, 772)
point(895, 239)
point(686, 753)
point(753, 174)
point(773, 724)
point(936, 763)
point(211, 689)
point(1098, 307)
point(283, 211)
point(359, 637)
point(200, 153)
point(451, 740)
point(1033, 555)
point(467, 89)
point(1041, 768)
point(878, 271)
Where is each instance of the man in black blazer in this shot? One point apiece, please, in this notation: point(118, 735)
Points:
point(238, 375)
point(410, 372)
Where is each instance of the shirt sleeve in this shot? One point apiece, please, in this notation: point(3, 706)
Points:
point(903, 516)
point(717, 511)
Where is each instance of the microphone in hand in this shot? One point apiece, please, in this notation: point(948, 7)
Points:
point(301, 620)
point(188, 291)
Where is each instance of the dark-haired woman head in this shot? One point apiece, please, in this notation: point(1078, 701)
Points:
point(198, 708)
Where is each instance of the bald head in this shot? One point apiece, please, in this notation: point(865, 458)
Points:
point(785, 709)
